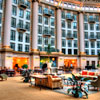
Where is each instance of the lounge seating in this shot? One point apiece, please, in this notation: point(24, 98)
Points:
point(3, 77)
point(50, 82)
point(96, 83)
point(54, 82)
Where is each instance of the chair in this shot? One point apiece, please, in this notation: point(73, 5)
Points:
point(96, 83)
point(54, 82)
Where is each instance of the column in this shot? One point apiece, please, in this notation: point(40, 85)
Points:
point(81, 31)
point(34, 25)
point(7, 24)
point(59, 40)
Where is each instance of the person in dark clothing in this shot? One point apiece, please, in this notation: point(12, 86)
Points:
point(44, 67)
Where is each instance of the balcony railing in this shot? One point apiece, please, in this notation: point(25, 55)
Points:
point(70, 36)
point(91, 20)
point(52, 50)
point(46, 33)
point(22, 4)
point(69, 17)
point(21, 28)
point(47, 12)
point(92, 38)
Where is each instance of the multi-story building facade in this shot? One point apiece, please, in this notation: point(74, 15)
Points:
point(27, 27)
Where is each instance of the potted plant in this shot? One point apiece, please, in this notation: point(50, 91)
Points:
point(77, 89)
point(25, 66)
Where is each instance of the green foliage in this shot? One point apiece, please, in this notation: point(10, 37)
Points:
point(25, 66)
point(77, 90)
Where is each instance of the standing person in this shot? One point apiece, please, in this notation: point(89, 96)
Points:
point(44, 67)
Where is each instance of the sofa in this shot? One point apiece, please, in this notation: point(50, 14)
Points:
point(50, 82)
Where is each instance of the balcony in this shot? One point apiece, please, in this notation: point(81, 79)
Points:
point(70, 36)
point(91, 20)
point(22, 4)
point(69, 17)
point(21, 28)
point(52, 50)
point(47, 33)
point(92, 38)
point(47, 12)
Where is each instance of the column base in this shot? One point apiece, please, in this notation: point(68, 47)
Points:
point(82, 53)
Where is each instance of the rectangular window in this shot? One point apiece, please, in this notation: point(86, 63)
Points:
point(85, 18)
point(75, 17)
point(64, 51)
point(13, 34)
point(27, 15)
point(12, 45)
point(40, 19)
point(46, 20)
point(52, 41)
point(97, 18)
point(63, 24)
point(13, 22)
point(63, 33)
point(20, 37)
point(21, 13)
point(15, 1)
point(46, 41)
point(52, 12)
point(69, 51)
point(85, 26)
point(86, 35)
point(86, 44)
point(14, 10)
point(69, 43)
point(28, 26)
point(27, 38)
point(63, 14)
point(20, 47)
point(92, 52)
point(98, 44)
point(39, 29)
point(40, 9)
point(39, 40)
point(26, 48)
point(52, 21)
point(21, 25)
point(91, 26)
point(98, 35)
point(28, 4)
point(75, 43)
point(1, 4)
point(69, 24)
point(52, 31)
point(97, 27)
point(74, 25)
point(75, 51)
point(92, 44)
point(87, 51)
point(63, 43)
point(75, 34)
